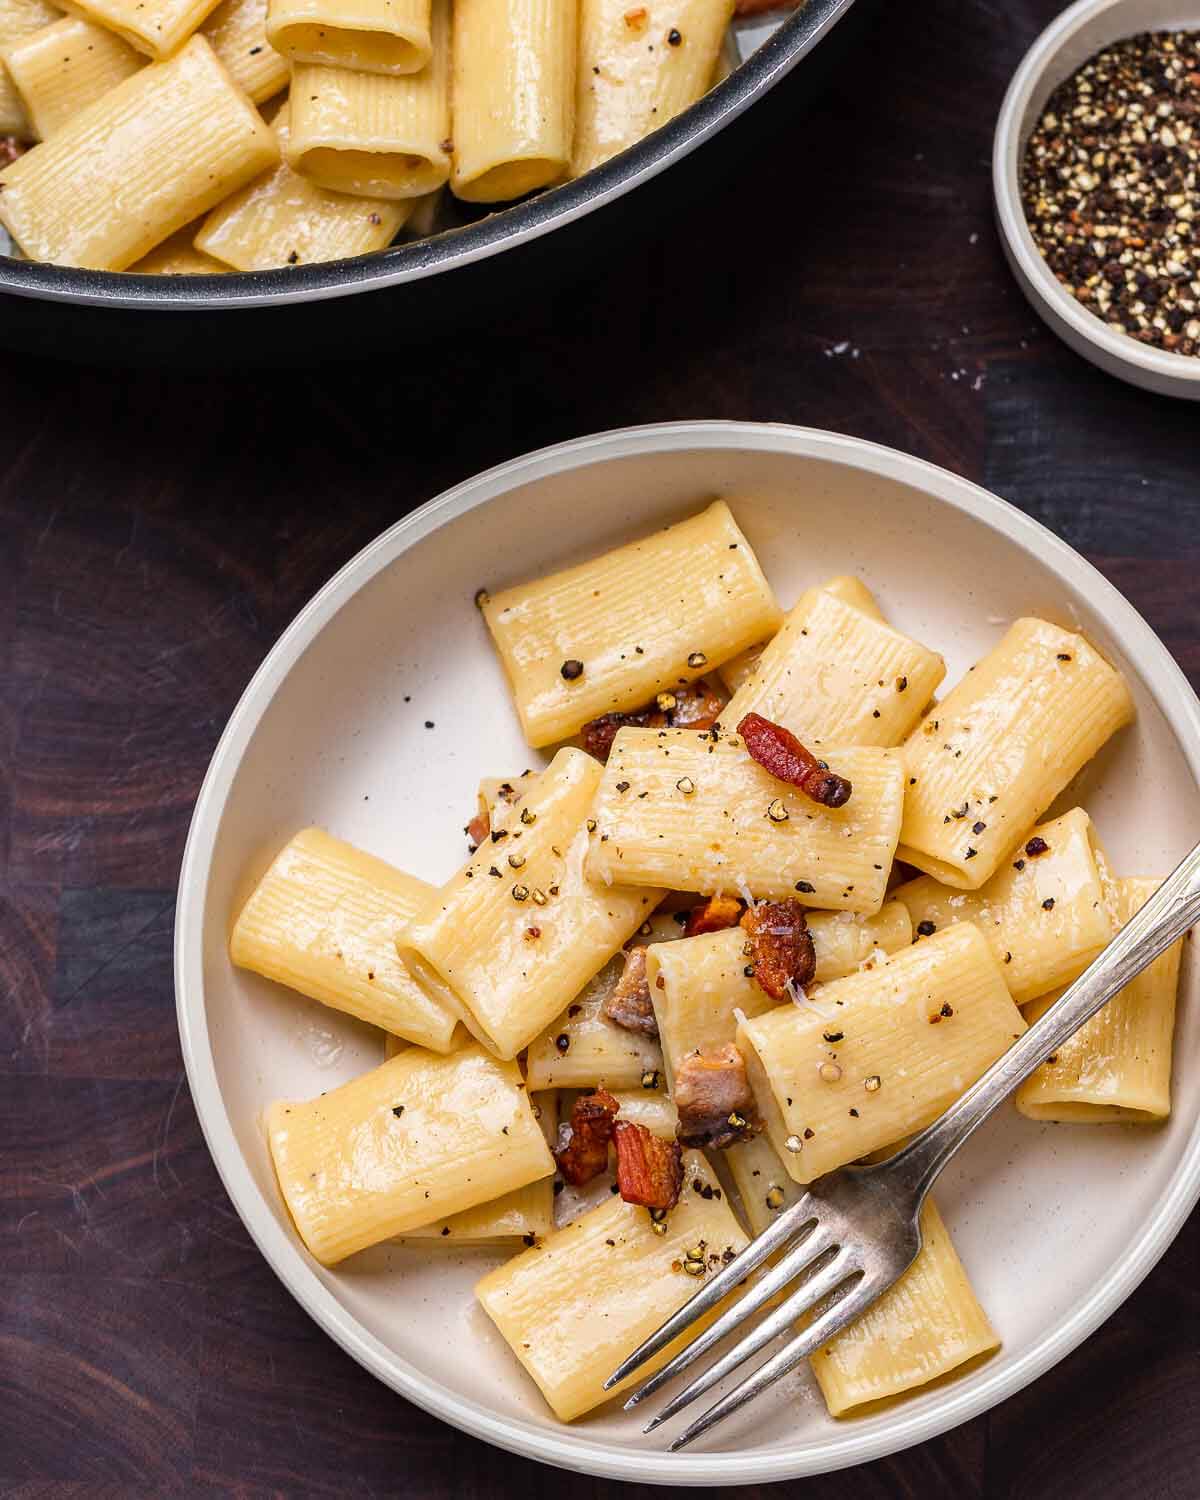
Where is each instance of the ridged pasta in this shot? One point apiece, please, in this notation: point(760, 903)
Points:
point(927, 1324)
point(19, 19)
point(514, 96)
point(763, 1184)
point(638, 620)
point(880, 1054)
point(639, 66)
point(843, 941)
point(833, 675)
point(845, 586)
point(370, 135)
point(177, 136)
point(178, 257)
point(1118, 1066)
point(389, 37)
point(1044, 915)
point(582, 1049)
point(680, 809)
point(527, 1213)
point(519, 931)
point(237, 33)
point(65, 66)
point(420, 1137)
point(573, 1308)
point(282, 219)
point(1000, 747)
point(324, 920)
point(157, 28)
point(696, 986)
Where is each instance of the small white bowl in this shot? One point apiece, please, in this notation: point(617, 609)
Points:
point(1055, 1226)
point(1066, 44)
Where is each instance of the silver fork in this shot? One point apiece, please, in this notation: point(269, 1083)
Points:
point(855, 1231)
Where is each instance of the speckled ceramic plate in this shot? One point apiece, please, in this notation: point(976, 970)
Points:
point(1055, 1225)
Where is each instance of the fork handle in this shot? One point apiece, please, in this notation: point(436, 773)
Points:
point(1168, 914)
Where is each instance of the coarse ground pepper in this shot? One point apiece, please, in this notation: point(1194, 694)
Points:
point(1110, 184)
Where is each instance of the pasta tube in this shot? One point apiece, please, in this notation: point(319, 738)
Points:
point(1118, 1066)
point(281, 219)
point(1001, 746)
point(514, 96)
point(178, 257)
point(763, 1185)
point(583, 1049)
point(519, 931)
point(237, 33)
point(178, 137)
point(368, 36)
point(324, 920)
point(639, 66)
point(575, 1307)
point(614, 632)
point(1044, 912)
point(881, 1054)
point(527, 1213)
point(420, 1137)
point(924, 1326)
point(682, 809)
point(19, 19)
point(373, 136)
point(157, 28)
point(63, 67)
point(835, 676)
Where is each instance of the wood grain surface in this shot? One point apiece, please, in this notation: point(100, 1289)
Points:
point(156, 535)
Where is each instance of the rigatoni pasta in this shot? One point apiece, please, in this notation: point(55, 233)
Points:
point(519, 931)
point(19, 19)
point(582, 1049)
point(691, 810)
point(282, 219)
point(370, 36)
point(612, 633)
point(157, 28)
point(418, 1138)
point(324, 920)
point(573, 1308)
point(639, 66)
point(59, 70)
point(372, 135)
point(834, 675)
point(1044, 911)
point(178, 256)
point(237, 33)
point(1118, 1066)
point(998, 749)
point(179, 136)
point(881, 1054)
point(514, 96)
point(926, 1325)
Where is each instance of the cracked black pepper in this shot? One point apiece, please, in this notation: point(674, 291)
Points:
point(1110, 186)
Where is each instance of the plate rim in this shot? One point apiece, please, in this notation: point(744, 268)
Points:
point(570, 1448)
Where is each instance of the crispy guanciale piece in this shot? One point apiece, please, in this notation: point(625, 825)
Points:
point(630, 1005)
point(713, 915)
point(586, 1153)
point(781, 946)
point(479, 827)
point(10, 149)
point(714, 1099)
point(695, 706)
point(777, 750)
point(649, 1168)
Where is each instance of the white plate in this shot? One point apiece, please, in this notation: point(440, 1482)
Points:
point(1082, 30)
point(1056, 1225)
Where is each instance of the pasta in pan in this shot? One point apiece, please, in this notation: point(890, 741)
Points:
point(679, 976)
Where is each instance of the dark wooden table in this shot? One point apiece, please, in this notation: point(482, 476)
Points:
point(156, 535)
